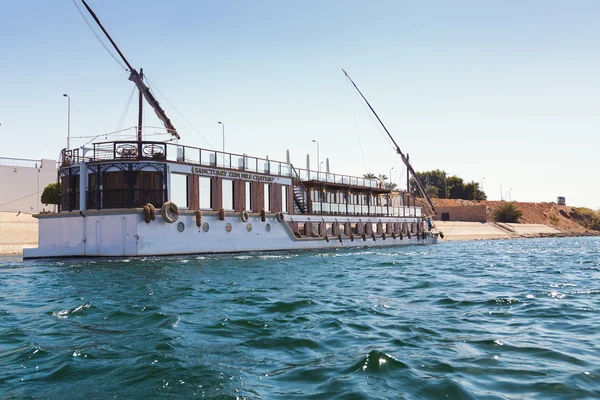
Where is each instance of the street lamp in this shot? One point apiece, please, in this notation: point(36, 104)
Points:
point(509, 198)
point(391, 176)
point(318, 163)
point(445, 186)
point(223, 135)
point(481, 183)
point(68, 120)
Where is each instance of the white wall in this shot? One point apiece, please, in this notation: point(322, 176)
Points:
point(22, 183)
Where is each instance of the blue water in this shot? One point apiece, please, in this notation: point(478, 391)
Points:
point(482, 320)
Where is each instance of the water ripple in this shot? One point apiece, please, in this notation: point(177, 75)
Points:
point(493, 320)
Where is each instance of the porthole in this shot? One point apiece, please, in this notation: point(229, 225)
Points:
point(249, 227)
point(268, 227)
point(205, 227)
point(180, 226)
point(228, 227)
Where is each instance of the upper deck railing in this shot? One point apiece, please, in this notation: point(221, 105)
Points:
point(308, 175)
point(165, 151)
point(161, 151)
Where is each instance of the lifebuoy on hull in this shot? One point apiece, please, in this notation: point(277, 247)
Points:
point(169, 212)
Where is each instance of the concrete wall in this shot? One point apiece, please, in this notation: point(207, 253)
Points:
point(474, 213)
point(22, 183)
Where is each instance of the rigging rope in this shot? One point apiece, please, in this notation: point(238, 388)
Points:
point(121, 64)
point(370, 114)
point(126, 110)
point(356, 127)
point(176, 110)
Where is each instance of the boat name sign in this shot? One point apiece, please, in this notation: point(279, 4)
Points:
point(239, 175)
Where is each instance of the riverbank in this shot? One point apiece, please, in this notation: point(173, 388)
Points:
point(17, 232)
point(455, 231)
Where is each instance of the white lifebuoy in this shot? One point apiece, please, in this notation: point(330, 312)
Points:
point(169, 212)
point(244, 216)
point(279, 216)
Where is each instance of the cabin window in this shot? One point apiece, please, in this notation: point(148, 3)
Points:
point(315, 195)
point(147, 188)
point(284, 198)
point(247, 201)
point(69, 192)
point(205, 193)
point(267, 197)
point(342, 229)
point(114, 193)
point(354, 228)
point(227, 194)
point(178, 193)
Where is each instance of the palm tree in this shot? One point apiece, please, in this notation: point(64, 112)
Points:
point(370, 175)
point(390, 185)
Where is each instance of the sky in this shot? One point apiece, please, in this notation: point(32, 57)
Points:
point(504, 93)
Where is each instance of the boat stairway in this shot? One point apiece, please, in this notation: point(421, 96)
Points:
point(299, 200)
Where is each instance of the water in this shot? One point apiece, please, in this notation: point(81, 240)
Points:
point(495, 319)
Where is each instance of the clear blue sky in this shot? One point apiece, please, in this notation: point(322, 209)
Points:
point(506, 90)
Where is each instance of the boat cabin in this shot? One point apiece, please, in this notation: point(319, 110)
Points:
point(131, 174)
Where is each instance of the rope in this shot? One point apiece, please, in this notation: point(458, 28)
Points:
point(121, 64)
point(13, 201)
point(176, 110)
point(125, 111)
point(356, 126)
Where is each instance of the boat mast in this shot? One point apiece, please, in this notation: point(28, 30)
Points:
point(136, 78)
point(402, 156)
point(140, 110)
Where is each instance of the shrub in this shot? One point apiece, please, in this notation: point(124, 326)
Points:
point(51, 194)
point(554, 220)
point(586, 217)
point(507, 212)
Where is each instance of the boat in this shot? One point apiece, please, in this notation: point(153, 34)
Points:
point(116, 199)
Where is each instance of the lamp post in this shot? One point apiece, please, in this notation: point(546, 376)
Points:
point(481, 183)
point(221, 123)
point(391, 177)
point(318, 163)
point(68, 120)
point(445, 186)
point(509, 198)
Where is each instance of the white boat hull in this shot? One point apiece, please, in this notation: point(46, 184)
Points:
point(108, 233)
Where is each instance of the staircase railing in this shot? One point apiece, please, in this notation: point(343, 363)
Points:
point(307, 204)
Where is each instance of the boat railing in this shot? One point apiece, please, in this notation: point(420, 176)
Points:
point(309, 175)
point(161, 151)
point(361, 209)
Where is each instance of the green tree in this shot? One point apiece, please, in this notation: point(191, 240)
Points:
point(370, 175)
point(448, 186)
point(507, 212)
point(433, 191)
point(51, 194)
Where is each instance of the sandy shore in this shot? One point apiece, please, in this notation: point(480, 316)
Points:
point(21, 231)
point(17, 232)
point(481, 231)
